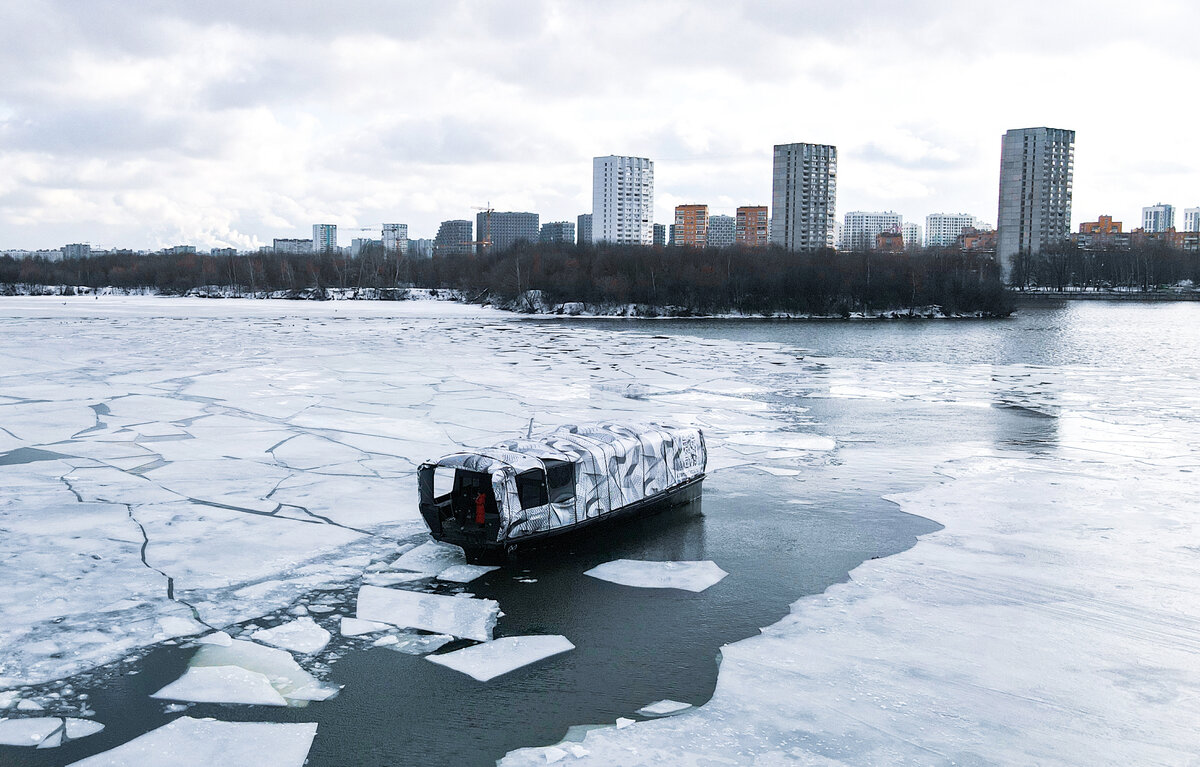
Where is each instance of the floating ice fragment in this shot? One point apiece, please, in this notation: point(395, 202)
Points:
point(465, 617)
point(465, 573)
point(663, 708)
point(689, 576)
point(299, 610)
point(222, 684)
point(188, 742)
point(174, 626)
point(430, 558)
point(302, 635)
point(27, 732)
point(785, 440)
point(391, 579)
point(353, 627)
point(53, 740)
point(219, 638)
point(554, 754)
point(8, 698)
point(622, 722)
point(579, 751)
point(81, 728)
point(780, 472)
point(278, 666)
point(420, 644)
point(385, 641)
point(28, 705)
point(174, 708)
point(491, 659)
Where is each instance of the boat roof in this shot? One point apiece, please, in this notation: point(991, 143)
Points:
point(566, 443)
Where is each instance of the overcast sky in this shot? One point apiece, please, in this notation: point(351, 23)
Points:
point(144, 124)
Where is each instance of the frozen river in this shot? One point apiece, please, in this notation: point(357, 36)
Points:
point(175, 465)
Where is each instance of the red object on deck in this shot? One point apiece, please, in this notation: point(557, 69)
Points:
point(480, 506)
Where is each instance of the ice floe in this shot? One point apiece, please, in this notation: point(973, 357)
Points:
point(664, 707)
point(465, 573)
point(278, 666)
point(28, 732)
point(353, 627)
point(302, 635)
point(460, 616)
point(500, 656)
point(222, 684)
point(689, 576)
point(430, 558)
point(188, 742)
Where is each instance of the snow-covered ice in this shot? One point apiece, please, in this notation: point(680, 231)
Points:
point(188, 742)
point(27, 732)
point(664, 707)
point(302, 635)
point(460, 616)
point(500, 656)
point(430, 558)
point(465, 573)
point(353, 627)
point(689, 576)
point(222, 684)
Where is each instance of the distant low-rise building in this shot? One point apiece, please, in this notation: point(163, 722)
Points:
point(1158, 217)
point(422, 247)
point(942, 230)
point(558, 231)
point(292, 247)
point(453, 238)
point(691, 225)
point(584, 229)
point(179, 250)
point(977, 239)
point(889, 242)
point(223, 252)
point(860, 229)
point(77, 250)
point(1101, 233)
point(752, 227)
point(360, 244)
point(660, 235)
point(721, 231)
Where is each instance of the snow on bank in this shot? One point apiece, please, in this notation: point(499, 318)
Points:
point(1053, 621)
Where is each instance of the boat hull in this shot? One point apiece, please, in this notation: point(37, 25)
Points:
point(497, 551)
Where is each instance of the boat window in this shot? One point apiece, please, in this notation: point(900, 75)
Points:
point(443, 482)
point(531, 487)
point(560, 477)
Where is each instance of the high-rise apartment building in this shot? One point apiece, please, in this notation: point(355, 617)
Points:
point(1191, 219)
point(1158, 217)
point(751, 227)
point(324, 238)
point(395, 239)
point(291, 247)
point(721, 231)
point(77, 250)
point(584, 229)
point(660, 235)
point(623, 200)
point(691, 225)
point(1036, 170)
point(943, 229)
point(912, 234)
point(558, 231)
point(804, 196)
point(453, 238)
point(504, 229)
point(861, 228)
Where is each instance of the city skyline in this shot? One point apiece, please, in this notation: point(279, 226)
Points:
point(117, 132)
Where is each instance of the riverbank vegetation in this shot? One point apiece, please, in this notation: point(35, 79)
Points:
point(663, 280)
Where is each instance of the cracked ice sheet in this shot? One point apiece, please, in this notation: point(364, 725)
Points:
point(489, 660)
point(1053, 621)
point(188, 742)
point(688, 576)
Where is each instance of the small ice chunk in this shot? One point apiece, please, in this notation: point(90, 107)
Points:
point(28, 705)
point(219, 638)
point(578, 751)
point(174, 626)
point(53, 740)
point(390, 639)
point(353, 627)
point(622, 722)
point(554, 754)
point(465, 617)
point(491, 659)
point(391, 579)
point(689, 576)
point(8, 698)
point(320, 609)
point(188, 742)
point(420, 644)
point(174, 708)
point(663, 708)
point(302, 635)
point(299, 610)
point(430, 558)
point(465, 573)
point(81, 728)
point(277, 665)
point(222, 684)
point(27, 732)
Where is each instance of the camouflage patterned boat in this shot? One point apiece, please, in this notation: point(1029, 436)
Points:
point(525, 490)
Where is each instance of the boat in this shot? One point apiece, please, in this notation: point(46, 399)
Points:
point(527, 490)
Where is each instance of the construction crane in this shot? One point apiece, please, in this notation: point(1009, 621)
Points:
point(485, 242)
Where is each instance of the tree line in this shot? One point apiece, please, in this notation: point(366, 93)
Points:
point(1146, 266)
point(677, 280)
